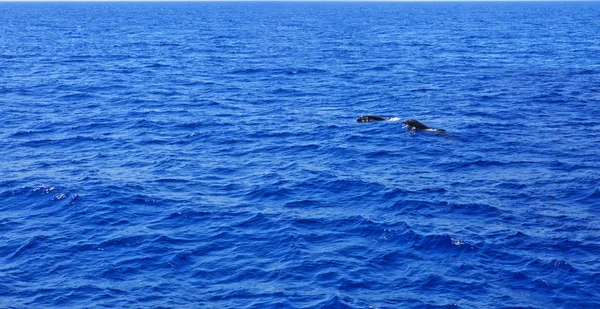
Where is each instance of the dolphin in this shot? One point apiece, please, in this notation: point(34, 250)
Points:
point(411, 123)
point(369, 118)
point(415, 125)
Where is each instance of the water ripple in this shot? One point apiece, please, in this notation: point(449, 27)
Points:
point(172, 155)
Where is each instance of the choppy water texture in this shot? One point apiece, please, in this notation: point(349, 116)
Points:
point(206, 155)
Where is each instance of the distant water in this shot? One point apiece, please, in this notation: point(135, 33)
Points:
point(206, 155)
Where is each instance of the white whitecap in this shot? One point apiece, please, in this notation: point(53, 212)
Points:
point(457, 242)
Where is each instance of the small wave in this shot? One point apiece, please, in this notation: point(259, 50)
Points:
point(32, 245)
point(382, 153)
point(248, 71)
point(158, 65)
point(419, 44)
point(335, 302)
point(443, 244)
point(182, 259)
point(288, 92)
point(476, 209)
point(423, 89)
point(269, 193)
point(585, 72)
point(304, 204)
point(67, 142)
point(125, 241)
point(511, 185)
point(258, 220)
point(482, 163)
point(77, 96)
point(168, 44)
point(551, 267)
point(378, 69)
point(184, 217)
point(594, 196)
point(302, 71)
point(169, 93)
point(27, 133)
point(197, 83)
point(396, 193)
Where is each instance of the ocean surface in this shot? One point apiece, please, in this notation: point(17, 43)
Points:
point(207, 155)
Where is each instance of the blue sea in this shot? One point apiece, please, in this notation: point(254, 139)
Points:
point(207, 155)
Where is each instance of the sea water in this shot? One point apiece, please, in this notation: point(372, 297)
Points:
point(207, 155)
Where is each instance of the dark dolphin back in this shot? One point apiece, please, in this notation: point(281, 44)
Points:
point(369, 118)
point(415, 124)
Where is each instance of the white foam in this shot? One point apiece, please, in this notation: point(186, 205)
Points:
point(394, 119)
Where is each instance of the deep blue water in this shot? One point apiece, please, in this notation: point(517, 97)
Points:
point(206, 155)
